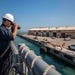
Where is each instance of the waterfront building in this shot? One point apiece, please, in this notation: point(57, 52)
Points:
point(60, 32)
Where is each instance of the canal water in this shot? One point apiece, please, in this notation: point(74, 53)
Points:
point(61, 66)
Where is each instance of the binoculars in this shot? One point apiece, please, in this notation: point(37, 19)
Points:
point(18, 26)
point(12, 29)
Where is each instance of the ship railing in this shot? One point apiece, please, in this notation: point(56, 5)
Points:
point(33, 64)
point(23, 61)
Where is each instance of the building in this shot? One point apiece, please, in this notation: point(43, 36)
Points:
point(60, 32)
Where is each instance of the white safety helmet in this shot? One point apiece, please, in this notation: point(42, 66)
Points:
point(9, 17)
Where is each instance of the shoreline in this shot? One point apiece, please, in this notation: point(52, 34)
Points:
point(51, 47)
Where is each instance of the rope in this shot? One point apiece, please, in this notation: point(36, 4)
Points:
point(38, 57)
point(5, 51)
point(47, 69)
point(28, 53)
point(26, 57)
point(21, 47)
point(22, 50)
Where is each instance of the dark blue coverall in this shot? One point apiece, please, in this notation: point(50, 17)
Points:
point(5, 38)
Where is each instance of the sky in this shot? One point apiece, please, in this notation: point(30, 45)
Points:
point(39, 13)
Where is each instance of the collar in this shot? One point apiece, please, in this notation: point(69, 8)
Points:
point(4, 26)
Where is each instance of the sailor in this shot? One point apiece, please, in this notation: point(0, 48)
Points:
point(5, 37)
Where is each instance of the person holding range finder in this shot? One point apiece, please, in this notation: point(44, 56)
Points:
point(6, 36)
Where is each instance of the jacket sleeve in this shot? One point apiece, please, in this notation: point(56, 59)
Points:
point(6, 35)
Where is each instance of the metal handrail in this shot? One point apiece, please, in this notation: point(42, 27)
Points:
point(34, 63)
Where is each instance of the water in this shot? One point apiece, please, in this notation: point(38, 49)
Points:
point(61, 66)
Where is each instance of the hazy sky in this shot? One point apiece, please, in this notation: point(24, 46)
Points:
point(40, 13)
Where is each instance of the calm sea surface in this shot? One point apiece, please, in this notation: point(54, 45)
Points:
point(61, 66)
